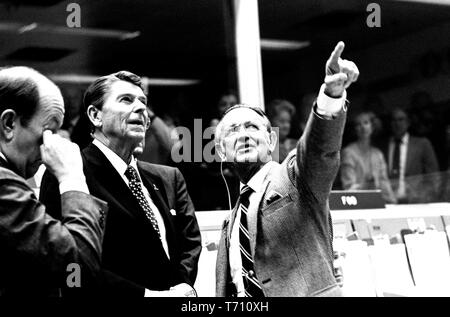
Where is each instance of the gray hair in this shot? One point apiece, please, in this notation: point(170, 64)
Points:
point(258, 110)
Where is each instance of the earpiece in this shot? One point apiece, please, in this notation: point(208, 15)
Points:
point(221, 151)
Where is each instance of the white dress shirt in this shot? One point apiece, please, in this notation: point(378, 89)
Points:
point(120, 166)
point(325, 106)
point(401, 191)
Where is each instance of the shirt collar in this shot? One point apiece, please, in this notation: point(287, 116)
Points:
point(3, 157)
point(256, 183)
point(113, 158)
point(404, 139)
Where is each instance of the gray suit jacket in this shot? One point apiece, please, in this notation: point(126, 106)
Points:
point(35, 248)
point(291, 236)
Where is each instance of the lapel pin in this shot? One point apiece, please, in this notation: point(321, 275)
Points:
point(173, 212)
point(154, 187)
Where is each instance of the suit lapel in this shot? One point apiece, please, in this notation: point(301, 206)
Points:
point(107, 179)
point(231, 222)
point(5, 164)
point(157, 193)
point(252, 217)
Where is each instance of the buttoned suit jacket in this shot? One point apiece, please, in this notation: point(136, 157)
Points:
point(36, 249)
point(133, 257)
point(291, 234)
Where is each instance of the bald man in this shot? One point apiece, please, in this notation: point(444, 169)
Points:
point(38, 251)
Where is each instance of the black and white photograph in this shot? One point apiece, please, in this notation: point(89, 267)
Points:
point(215, 156)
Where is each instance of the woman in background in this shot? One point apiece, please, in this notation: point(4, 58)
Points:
point(280, 113)
point(362, 165)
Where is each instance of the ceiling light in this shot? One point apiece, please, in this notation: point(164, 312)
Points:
point(283, 45)
point(440, 2)
point(87, 79)
point(57, 29)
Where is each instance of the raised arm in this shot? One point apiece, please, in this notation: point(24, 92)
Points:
point(319, 147)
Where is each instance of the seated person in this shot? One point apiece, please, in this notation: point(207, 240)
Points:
point(280, 113)
point(412, 162)
point(363, 165)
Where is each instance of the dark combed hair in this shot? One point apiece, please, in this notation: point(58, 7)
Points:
point(96, 92)
point(20, 94)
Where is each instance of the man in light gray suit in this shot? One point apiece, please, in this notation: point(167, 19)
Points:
point(278, 241)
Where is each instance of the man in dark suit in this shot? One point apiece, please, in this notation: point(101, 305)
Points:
point(277, 241)
point(36, 249)
point(412, 162)
point(152, 242)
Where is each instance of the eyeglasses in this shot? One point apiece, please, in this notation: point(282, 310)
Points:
point(248, 127)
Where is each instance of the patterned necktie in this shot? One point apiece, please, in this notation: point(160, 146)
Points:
point(136, 189)
point(252, 287)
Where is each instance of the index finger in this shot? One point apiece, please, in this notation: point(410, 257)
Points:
point(334, 57)
point(46, 135)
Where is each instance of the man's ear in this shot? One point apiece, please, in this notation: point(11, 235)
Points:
point(272, 141)
point(221, 151)
point(95, 116)
point(8, 123)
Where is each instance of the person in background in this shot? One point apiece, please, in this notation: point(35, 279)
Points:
point(362, 165)
point(412, 162)
point(211, 186)
point(227, 100)
point(303, 111)
point(159, 141)
point(427, 120)
point(36, 249)
point(280, 113)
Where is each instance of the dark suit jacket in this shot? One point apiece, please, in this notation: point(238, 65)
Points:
point(291, 236)
point(133, 257)
point(36, 248)
point(421, 162)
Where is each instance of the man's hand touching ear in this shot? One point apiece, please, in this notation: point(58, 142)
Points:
point(62, 158)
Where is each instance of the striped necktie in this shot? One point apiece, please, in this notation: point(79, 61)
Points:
point(136, 189)
point(252, 287)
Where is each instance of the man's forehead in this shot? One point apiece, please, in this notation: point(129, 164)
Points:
point(124, 87)
point(50, 98)
point(51, 106)
point(240, 115)
point(400, 114)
